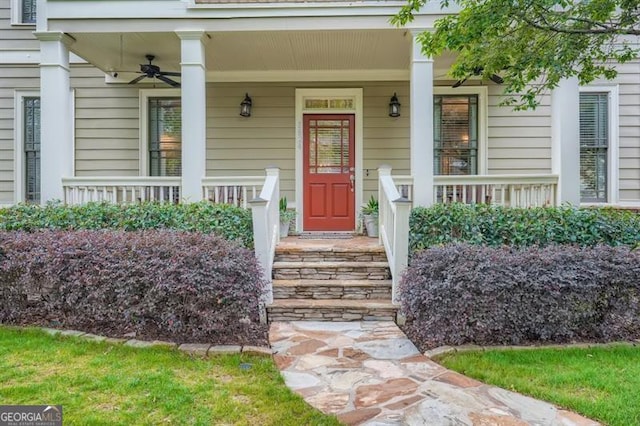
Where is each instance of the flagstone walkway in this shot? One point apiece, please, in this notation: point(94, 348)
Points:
point(369, 373)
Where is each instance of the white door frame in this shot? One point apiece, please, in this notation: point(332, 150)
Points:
point(350, 93)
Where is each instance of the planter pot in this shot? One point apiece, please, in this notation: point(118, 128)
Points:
point(371, 224)
point(284, 228)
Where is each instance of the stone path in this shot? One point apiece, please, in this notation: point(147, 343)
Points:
point(369, 373)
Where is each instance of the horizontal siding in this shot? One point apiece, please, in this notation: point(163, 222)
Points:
point(519, 141)
point(107, 125)
point(629, 139)
point(269, 134)
point(386, 139)
point(15, 36)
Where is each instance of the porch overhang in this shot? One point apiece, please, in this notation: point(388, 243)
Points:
point(312, 56)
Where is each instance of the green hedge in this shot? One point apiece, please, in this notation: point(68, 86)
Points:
point(229, 222)
point(495, 226)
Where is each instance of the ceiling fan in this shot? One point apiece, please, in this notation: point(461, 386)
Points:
point(153, 71)
point(477, 71)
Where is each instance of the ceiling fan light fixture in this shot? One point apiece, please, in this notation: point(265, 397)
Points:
point(154, 72)
point(245, 106)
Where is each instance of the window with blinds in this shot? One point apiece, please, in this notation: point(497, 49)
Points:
point(28, 11)
point(455, 127)
point(31, 118)
point(165, 137)
point(594, 146)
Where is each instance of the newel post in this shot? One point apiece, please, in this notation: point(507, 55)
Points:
point(383, 170)
point(400, 244)
point(265, 216)
point(261, 247)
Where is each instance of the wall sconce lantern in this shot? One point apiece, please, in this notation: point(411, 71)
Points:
point(394, 106)
point(245, 106)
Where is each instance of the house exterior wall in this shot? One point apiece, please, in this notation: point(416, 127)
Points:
point(107, 124)
point(629, 130)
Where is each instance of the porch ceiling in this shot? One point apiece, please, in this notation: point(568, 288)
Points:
point(256, 51)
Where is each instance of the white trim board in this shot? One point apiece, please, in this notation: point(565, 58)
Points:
point(143, 143)
point(357, 95)
point(613, 157)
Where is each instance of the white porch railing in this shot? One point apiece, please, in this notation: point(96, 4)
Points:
point(80, 190)
point(394, 211)
point(504, 190)
point(235, 190)
point(266, 227)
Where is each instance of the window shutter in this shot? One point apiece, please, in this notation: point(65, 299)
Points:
point(594, 145)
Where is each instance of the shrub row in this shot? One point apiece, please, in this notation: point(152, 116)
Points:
point(495, 226)
point(229, 222)
point(160, 284)
point(459, 294)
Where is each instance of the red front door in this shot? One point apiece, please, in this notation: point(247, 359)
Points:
point(329, 172)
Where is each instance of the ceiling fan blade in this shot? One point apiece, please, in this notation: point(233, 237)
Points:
point(459, 82)
point(171, 73)
point(496, 79)
point(167, 80)
point(137, 79)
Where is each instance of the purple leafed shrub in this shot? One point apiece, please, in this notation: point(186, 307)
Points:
point(462, 294)
point(159, 284)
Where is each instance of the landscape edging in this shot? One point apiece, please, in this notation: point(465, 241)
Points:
point(443, 350)
point(199, 349)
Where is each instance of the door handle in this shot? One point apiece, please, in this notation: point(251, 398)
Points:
point(352, 179)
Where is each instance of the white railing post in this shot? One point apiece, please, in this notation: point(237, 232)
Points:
point(394, 212)
point(261, 244)
point(400, 244)
point(274, 211)
point(266, 222)
point(383, 170)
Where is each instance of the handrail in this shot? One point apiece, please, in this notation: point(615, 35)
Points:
point(494, 179)
point(266, 235)
point(394, 212)
point(121, 189)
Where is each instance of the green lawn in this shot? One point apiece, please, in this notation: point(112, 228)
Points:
point(601, 383)
point(100, 383)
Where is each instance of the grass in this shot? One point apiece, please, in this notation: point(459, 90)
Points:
point(106, 384)
point(601, 383)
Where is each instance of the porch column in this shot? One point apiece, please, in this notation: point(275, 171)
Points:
point(565, 140)
point(56, 117)
point(194, 114)
point(421, 100)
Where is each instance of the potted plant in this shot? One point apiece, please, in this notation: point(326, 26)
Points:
point(286, 216)
point(370, 217)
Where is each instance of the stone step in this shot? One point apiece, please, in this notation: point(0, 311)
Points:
point(331, 271)
point(330, 254)
point(357, 249)
point(331, 310)
point(332, 289)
